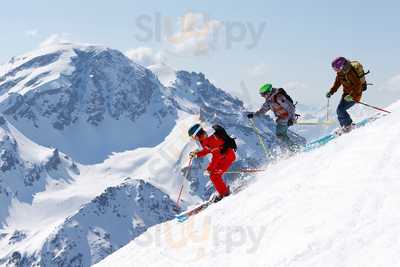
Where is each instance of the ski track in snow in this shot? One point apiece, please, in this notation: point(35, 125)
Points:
point(335, 206)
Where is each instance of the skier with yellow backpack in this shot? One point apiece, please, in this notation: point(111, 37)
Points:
point(350, 75)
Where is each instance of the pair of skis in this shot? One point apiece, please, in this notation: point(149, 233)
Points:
point(338, 132)
point(202, 206)
point(186, 214)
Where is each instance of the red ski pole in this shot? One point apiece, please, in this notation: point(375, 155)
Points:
point(186, 177)
point(245, 171)
point(373, 107)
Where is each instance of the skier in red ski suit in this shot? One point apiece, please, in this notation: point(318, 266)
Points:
point(221, 160)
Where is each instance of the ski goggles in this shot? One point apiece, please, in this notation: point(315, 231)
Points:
point(338, 68)
point(265, 94)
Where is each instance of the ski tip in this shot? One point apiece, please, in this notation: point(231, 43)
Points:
point(181, 218)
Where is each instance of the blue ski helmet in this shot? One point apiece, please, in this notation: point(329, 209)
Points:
point(194, 130)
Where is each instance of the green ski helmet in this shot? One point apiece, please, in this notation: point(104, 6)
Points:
point(266, 89)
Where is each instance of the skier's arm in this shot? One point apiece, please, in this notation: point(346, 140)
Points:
point(204, 152)
point(335, 86)
point(264, 109)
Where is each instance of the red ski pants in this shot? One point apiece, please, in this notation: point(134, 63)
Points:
point(217, 168)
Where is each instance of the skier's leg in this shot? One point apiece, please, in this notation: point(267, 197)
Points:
point(282, 134)
point(281, 131)
point(216, 175)
point(341, 112)
point(219, 184)
point(343, 116)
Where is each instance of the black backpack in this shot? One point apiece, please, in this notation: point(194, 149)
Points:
point(284, 93)
point(229, 142)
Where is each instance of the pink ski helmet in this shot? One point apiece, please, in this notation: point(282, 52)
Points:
point(339, 63)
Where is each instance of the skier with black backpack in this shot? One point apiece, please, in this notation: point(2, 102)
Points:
point(277, 100)
point(222, 147)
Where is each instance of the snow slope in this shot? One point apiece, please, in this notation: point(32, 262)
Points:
point(335, 206)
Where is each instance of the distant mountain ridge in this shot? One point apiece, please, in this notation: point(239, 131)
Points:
point(74, 93)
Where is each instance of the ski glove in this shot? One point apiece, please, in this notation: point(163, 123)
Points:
point(193, 154)
point(348, 98)
point(206, 173)
point(250, 115)
point(329, 94)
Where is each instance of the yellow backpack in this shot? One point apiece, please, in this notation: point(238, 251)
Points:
point(358, 67)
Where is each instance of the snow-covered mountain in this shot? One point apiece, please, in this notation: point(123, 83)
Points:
point(75, 215)
point(114, 119)
point(27, 168)
point(88, 101)
point(88, 236)
point(334, 206)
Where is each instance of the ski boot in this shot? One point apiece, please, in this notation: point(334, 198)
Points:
point(217, 197)
point(348, 128)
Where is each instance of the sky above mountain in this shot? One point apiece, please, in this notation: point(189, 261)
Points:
point(238, 45)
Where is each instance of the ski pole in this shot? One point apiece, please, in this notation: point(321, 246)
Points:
point(315, 123)
point(373, 107)
point(185, 178)
point(244, 171)
point(327, 110)
point(253, 125)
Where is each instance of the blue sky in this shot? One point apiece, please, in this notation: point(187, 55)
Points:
point(295, 48)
